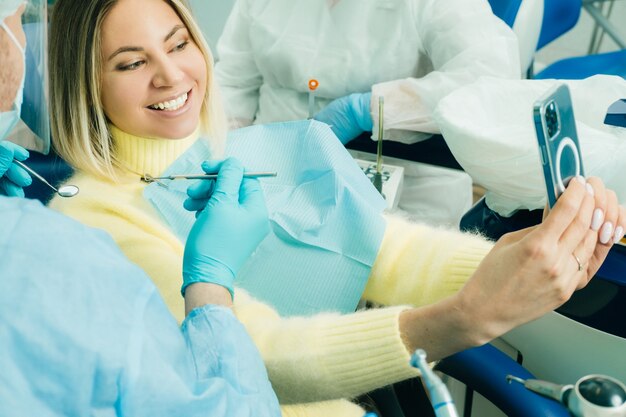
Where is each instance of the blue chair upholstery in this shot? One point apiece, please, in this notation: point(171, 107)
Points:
point(559, 16)
point(484, 369)
point(480, 218)
point(577, 68)
point(506, 10)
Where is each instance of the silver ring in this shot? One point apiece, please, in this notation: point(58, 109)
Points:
point(580, 264)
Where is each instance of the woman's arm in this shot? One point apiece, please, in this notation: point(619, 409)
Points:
point(527, 274)
point(418, 264)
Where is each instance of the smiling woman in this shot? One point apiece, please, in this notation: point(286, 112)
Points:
point(149, 77)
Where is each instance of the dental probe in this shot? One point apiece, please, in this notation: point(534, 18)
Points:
point(261, 174)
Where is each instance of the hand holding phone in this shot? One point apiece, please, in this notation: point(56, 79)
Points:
point(558, 141)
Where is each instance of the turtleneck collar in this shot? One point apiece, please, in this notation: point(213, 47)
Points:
point(147, 155)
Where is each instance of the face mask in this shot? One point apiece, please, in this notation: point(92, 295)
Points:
point(9, 119)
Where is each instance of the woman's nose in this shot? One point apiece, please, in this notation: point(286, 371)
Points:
point(167, 74)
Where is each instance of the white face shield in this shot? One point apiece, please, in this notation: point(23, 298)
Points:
point(33, 132)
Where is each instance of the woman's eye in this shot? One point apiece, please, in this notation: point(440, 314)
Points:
point(131, 66)
point(180, 46)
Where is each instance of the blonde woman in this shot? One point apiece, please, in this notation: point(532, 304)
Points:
point(132, 88)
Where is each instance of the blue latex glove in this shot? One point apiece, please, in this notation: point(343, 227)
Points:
point(232, 220)
point(348, 116)
point(12, 177)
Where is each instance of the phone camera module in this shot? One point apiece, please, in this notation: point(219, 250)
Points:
point(553, 122)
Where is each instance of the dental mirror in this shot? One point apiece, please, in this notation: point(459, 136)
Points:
point(64, 191)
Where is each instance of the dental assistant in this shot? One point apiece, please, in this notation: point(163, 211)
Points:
point(411, 52)
point(85, 332)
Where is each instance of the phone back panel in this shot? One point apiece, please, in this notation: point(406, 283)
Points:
point(558, 141)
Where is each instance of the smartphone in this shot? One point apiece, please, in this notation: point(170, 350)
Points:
point(558, 142)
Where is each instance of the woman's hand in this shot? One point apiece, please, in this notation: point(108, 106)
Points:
point(531, 272)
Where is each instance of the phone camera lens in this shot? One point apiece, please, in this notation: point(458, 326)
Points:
point(552, 119)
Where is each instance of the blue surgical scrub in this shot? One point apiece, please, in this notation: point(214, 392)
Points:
point(84, 332)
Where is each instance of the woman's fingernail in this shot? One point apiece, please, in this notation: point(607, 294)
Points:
point(590, 189)
point(619, 234)
point(606, 233)
point(597, 219)
point(581, 179)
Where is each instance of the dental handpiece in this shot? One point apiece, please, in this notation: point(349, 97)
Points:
point(547, 389)
point(440, 397)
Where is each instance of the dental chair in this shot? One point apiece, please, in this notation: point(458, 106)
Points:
point(483, 371)
point(559, 17)
point(556, 17)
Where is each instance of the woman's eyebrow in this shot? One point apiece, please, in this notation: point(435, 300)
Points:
point(139, 48)
point(125, 49)
point(173, 31)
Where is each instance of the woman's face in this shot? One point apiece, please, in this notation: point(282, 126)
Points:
point(153, 74)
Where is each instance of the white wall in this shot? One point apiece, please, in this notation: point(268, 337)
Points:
point(212, 15)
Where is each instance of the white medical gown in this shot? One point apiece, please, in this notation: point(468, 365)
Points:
point(412, 52)
point(84, 332)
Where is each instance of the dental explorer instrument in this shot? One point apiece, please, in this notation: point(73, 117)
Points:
point(378, 176)
point(440, 397)
point(313, 84)
point(260, 174)
point(64, 191)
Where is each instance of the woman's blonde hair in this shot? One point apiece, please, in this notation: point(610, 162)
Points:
point(79, 125)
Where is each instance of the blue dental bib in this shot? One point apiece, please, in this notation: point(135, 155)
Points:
point(325, 216)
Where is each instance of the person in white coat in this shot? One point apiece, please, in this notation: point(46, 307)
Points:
point(412, 52)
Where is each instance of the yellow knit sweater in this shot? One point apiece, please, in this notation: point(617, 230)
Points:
point(313, 362)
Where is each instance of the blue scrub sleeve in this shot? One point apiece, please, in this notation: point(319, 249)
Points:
point(83, 331)
point(214, 369)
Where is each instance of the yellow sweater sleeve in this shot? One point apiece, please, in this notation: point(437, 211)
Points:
point(419, 264)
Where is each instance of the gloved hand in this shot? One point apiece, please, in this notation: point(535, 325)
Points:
point(348, 116)
point(231, 221)
point(12, 177)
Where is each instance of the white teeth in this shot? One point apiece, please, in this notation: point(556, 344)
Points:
point(171, 105)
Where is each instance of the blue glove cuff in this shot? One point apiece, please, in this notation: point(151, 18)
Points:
point(211, 274)
point(363, 111)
